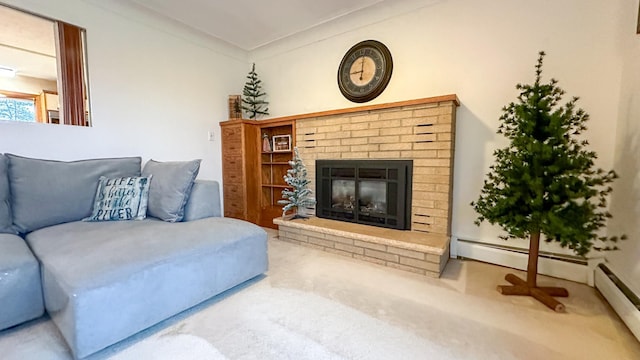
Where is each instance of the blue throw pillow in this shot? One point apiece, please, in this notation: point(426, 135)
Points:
point(170, 187)
point(122, 198)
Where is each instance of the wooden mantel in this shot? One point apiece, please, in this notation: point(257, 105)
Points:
point(397, 104)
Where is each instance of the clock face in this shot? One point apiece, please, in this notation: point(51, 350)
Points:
point(365, 71)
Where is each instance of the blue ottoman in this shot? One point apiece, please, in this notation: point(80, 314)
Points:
point(20, 286)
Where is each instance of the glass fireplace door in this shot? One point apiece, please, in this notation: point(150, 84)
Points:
point(373, 192)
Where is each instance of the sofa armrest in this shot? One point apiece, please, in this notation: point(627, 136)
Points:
point(204, 201)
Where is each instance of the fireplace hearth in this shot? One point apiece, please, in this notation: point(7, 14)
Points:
point(371, 192)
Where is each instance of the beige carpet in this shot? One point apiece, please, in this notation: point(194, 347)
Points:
point(315, 305)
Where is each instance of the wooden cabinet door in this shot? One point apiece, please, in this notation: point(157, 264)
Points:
point(240, 182)
point(233, 176)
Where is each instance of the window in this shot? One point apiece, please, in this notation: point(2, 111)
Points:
point(17, 107)
point(44, 60)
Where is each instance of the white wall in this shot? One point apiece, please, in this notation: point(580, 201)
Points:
point(625, 205)
point(156, 90)
point(477, 49)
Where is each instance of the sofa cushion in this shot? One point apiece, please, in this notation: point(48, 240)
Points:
point(129, 275)
point(20, 286)
point(48, 192)
point(170, 187)
point(6, 222)
point(204, 201)
point(122, 198)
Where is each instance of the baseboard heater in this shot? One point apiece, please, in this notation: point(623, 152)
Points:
point(563, 266)
point(542, 254)
point(622, 299)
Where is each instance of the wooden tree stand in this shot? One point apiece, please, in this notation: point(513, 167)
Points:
point(541, 293)
point(544, 294)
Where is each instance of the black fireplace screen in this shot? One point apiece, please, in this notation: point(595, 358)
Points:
point(373, 192)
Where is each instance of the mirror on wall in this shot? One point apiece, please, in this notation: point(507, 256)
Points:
point(42, 70)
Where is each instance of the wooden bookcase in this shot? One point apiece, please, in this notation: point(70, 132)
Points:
point(273, 166)
point(253, 179)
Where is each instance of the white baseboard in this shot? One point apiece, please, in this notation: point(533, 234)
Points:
point(563, 269)
point(627, 311)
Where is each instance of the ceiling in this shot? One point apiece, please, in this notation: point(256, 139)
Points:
point(27, 44)
point(250, 24)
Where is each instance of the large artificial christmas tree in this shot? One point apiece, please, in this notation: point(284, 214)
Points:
point(300, 195)
point(252, 93)
point(544, 182)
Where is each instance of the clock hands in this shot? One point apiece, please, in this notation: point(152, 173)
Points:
point(361, 72)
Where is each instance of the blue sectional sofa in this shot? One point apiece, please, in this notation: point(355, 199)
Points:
point(20, 288)
point(102, 282)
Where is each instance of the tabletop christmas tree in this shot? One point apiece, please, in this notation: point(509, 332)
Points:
point(252, 99)
point(544, 182)
point(299, 197)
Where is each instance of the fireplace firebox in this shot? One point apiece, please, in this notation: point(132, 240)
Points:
point(372, 192)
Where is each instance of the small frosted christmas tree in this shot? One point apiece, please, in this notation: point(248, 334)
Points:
point(252, 93)
point(300, 196)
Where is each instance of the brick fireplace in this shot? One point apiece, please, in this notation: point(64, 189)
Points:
point(421, 131)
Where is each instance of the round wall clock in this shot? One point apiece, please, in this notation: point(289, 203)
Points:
point(365, 71)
